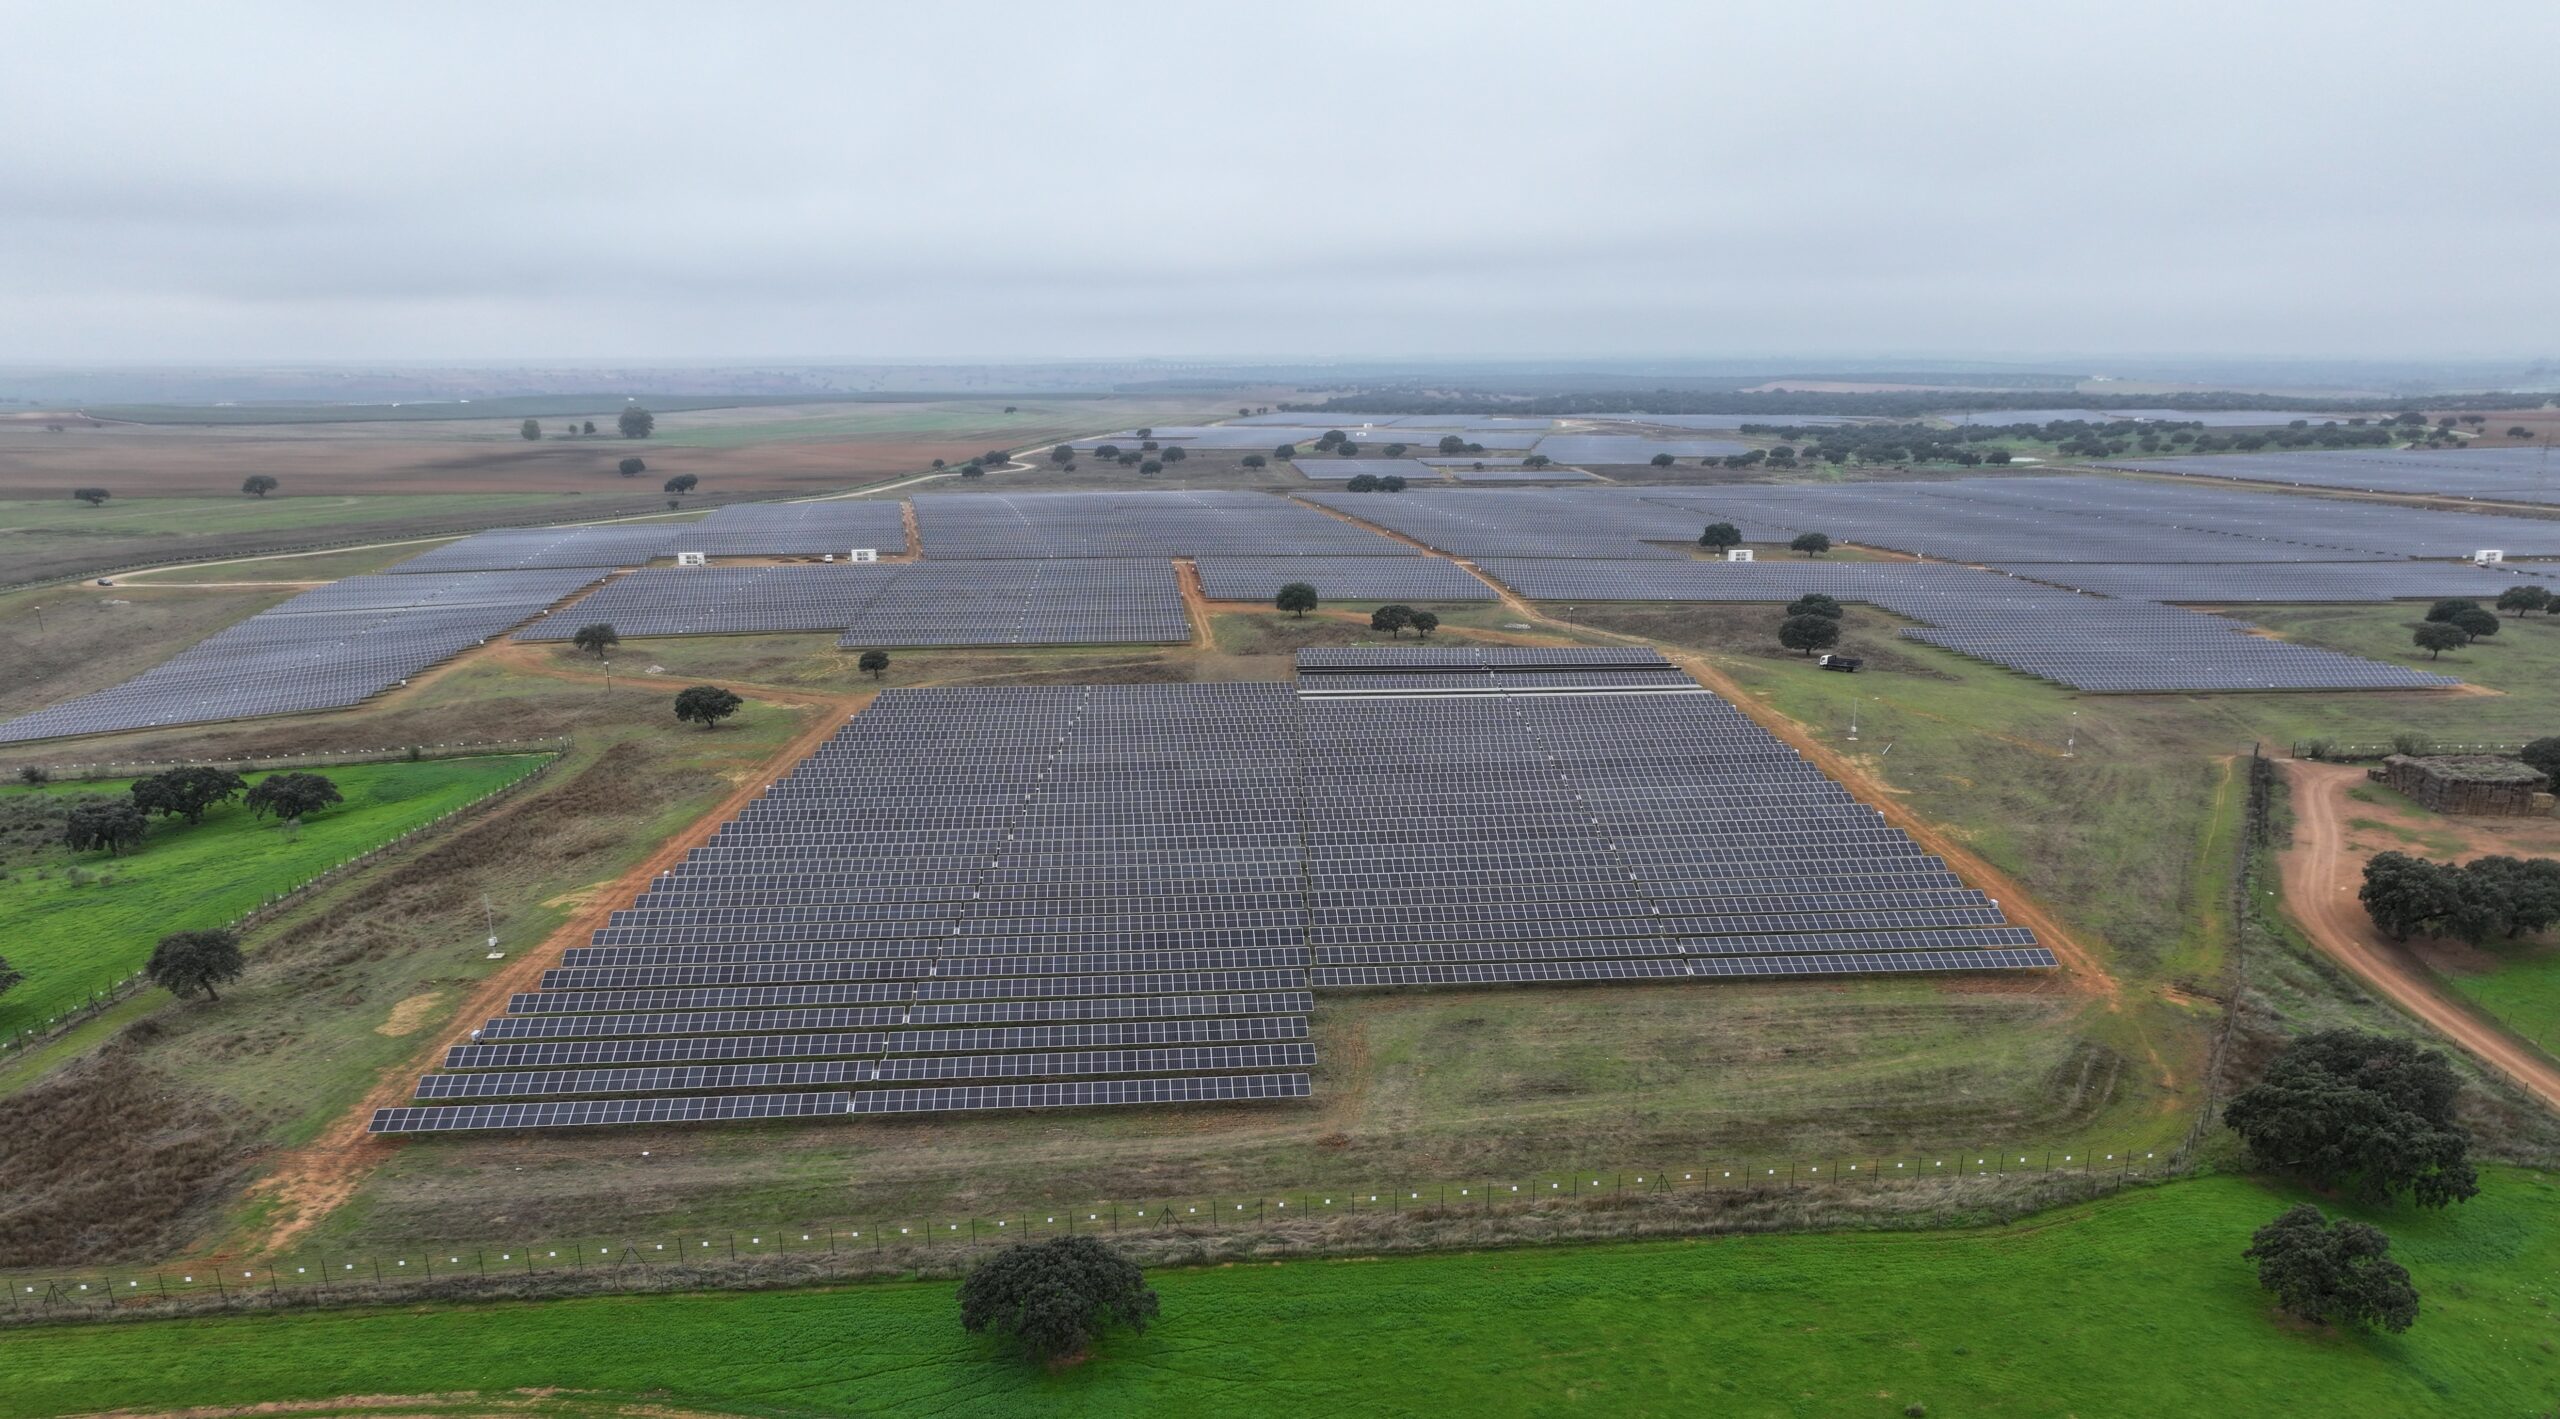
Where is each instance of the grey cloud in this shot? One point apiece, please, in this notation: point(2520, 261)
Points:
point(309, 181)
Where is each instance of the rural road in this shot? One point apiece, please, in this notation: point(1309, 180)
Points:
point(2321, 876)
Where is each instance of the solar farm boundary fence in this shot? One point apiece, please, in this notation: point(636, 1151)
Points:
point(109, 992)
point(317, 758)
point(2256, 836)
point(1953, 1186)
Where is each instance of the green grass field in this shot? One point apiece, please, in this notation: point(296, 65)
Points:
point(2523, 992)
point(72, 935)
point(2139, 1304)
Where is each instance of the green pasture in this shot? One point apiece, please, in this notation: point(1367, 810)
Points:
point(2523, 992)
point(82, 921)
point(2138, 1304)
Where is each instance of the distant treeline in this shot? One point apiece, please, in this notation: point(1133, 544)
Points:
point(1897, 405)
point(1929, 443)
point(521, 406)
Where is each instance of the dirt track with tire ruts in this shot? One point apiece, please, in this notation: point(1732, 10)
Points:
point(2322, 872)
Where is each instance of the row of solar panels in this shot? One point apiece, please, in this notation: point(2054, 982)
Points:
point(704, 1108)
point(887, 605)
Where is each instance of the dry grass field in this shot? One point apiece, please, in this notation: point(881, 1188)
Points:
point(176, 488)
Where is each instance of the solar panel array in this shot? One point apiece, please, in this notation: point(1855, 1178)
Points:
point(1555, 522)
point(1137, 524)
point(1074, 601)
point(2210, 418)
point(2516, 475)
point(1085, 896)
point(1485, 816)
point(1341, 578)
point(2127, 539)
point(2138, 647)
point(1325, 467)
point(325, 649)
point(1059, 601)
point(2272, 526)
point(727, 600)
point(1632, 448)
point(2289, 583)
point(1550, 474)
point(1033, 897)
point(520, 548)
point(1778, 579)
point(836, 525)
point(2085, 642)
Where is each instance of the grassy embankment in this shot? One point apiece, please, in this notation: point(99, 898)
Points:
point(2135, 1304)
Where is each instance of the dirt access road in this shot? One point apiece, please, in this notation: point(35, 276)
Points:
point(2321, 875)
point(312, 1181)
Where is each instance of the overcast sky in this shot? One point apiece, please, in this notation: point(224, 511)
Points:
point(950, 179)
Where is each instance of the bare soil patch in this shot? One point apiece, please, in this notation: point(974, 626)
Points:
point(109, 1160)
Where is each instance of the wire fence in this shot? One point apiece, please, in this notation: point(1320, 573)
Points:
point(1469, 1211)
point(316, 758)
point(110, 990)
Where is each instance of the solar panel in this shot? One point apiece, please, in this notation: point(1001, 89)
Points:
point(605, 1113)
point(1231, 1088)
